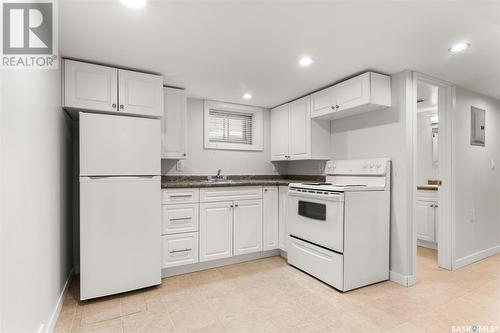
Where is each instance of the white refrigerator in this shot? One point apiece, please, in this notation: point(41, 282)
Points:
point(120, 204)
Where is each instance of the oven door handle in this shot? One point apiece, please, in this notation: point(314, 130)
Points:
point(330, 196)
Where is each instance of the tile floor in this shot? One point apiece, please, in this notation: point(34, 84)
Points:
point(267, 295)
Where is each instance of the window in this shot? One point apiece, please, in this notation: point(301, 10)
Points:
point(230, 127)
point(233, 126)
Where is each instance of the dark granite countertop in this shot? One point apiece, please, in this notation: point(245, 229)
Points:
point(246, 180)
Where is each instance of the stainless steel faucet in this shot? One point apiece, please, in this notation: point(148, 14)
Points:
point(218, 176)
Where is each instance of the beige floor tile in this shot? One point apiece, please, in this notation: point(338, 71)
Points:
point(147, 322)
point(268, 295)
point(108, 326)
point(101, 310)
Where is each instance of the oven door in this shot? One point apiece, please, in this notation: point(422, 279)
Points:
point(317, 218)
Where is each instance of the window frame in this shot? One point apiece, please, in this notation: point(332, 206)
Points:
point(257, 126)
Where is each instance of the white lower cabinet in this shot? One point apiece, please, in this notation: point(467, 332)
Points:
point(426, 214)
point(283, 198)
point(216, 230)
point(270, 222)
point(180, 249)
point(247, 226)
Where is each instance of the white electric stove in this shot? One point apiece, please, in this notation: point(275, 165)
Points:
point(339, 230)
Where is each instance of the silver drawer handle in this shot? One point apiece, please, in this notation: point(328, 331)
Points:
point(181, 218)
point(177, 251)
point(180, 195)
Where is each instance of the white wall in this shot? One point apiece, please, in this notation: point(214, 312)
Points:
point(202, 161)
point(382, 134)
point(35, 216)
point(477, 186)
point(426, 169)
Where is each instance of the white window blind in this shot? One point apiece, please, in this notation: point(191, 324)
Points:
point(230, 127)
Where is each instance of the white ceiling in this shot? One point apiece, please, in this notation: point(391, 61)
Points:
point(222, 49)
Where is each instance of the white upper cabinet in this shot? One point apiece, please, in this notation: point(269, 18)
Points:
point(295, 136)
point(247, 226)
point(106, 89)
point(299, 136)
point(279, 133)
point(323, 101)
point(270, 223)
point(90, 87)
point(174, 124)
point(140, 93)
point(366, 92)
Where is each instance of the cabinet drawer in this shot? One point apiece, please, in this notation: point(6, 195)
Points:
point(175, 195)
point(180, 218)
point(325, 265)
point(230, 193)
point(180, 249)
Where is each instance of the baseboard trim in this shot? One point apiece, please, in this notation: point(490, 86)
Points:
point(427, 244)
point(467, 260)
point(283, 253)
point(404, 280)
point(178, 270)
point(51, 324)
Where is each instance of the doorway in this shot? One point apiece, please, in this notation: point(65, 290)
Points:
point(431, 199)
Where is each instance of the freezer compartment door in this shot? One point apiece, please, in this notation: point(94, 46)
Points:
point(119, 145)
point(120, 228)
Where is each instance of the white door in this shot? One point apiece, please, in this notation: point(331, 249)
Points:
point(353, 92)
point(247, 224)
point(425, 220)
point(279, 133)
point(90, 87)
point(117, 145)
point(283, 198)
point(120, 226)
point(173, 129)
point(323, 102)
point(140, 93)
point(270, 222)
point(300, 129)
point(216, 230)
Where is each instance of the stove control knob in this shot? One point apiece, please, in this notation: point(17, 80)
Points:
point(365, 165)
point(372, 165)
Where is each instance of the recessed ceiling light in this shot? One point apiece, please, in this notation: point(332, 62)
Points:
point(305, 61)
point(247, 96)
point(134, 3)
point(459, 47)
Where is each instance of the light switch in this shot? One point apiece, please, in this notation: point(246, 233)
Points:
point(472, 215)
point(180, 165)
point(492, 164)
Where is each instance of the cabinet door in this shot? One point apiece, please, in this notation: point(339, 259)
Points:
point(283, 198)
point(270, 218)
point(247, 225)
point(300, 129)
point(353, 92)
point(425, 220)
point(216, 230)
point(173, 124)
point(323, 102)
point(90, 87)
point(279, 133)
point(140, 93)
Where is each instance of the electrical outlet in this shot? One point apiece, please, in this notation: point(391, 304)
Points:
point(180, 165)
point(274, 167)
